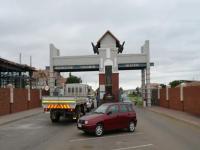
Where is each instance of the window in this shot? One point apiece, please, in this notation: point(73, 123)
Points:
point(76, 89)
point(130, 107)
point(101, 109)
point(114, 109)
point(73, 90)
point(69, 90)
point(123, 108)
point(80, 90)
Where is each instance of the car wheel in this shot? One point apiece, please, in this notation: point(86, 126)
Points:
point(99, 130)
point(131, 126)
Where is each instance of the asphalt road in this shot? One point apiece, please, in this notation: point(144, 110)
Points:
point(154, 132)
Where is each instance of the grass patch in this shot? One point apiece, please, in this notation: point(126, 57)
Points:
point(136, 99)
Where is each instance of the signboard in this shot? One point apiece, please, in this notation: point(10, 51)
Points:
point(102, 88)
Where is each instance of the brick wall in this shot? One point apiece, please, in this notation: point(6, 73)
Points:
point(163, 102)
point(20, 100)
point(192, 99)
point(101, 79)
point(35, 100)
point(174, 99)
point(154, 97)
point(4, 101)
point(190, 103)
point(115, 86)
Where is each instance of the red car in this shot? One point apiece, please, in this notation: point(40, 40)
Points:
point(109, 116)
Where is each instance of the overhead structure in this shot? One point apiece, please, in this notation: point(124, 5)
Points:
point(15, 74)
point(108, 61)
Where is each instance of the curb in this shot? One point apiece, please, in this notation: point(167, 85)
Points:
point(176, 118)
point(20, 118)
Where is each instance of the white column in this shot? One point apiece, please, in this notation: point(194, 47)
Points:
point(181, 92)
point(29, 94)
point(143, 83)
point(11, 95)
point(53, 52)
point(51, 73)
point(146, 50)
point(143, 78)
point(167, 92)
point(159, 87)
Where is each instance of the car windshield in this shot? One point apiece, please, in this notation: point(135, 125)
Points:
point(102, 109)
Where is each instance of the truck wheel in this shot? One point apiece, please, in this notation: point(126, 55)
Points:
point(92, 106)
point(78, 113)
point(83, 109)
point(88, 109)
point(54, 116)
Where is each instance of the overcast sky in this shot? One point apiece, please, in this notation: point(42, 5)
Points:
point(172, 26)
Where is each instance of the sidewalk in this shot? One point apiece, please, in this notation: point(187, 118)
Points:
point(178, 115)
point(20, 115)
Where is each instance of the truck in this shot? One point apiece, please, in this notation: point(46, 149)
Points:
point(68, 102)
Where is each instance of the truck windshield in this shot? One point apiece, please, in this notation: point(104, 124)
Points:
point(102, 109)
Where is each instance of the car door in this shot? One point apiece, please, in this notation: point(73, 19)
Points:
point(112, 120)
point(123, 116)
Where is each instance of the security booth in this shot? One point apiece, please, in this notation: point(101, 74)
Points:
point(108, 60)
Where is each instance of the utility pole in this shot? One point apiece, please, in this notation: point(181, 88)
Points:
point(20, 58)
point(31, 61)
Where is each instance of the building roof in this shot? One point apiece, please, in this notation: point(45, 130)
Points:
point(107, 32)
point(110, 33)
point(190, 83)
point(6, 65)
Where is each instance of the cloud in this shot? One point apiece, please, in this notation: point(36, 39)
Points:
point(171, 26)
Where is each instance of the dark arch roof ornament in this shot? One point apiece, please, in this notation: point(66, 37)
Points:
point(118, 45)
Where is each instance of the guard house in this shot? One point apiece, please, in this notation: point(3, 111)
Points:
point(108, 60)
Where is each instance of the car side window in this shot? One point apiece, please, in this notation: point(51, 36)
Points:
point(130, 108)
point(113, 109)
point(123, 108)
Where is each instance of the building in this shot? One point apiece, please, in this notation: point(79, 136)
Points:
point(41, 79)
point(77, 89)
point(189, 83)
point(15, 74)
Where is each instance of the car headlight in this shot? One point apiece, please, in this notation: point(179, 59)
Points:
point(86, 122)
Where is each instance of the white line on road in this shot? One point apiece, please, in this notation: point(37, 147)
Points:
point(86, 139)
point(134, 147)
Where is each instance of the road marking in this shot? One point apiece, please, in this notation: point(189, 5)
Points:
point(134, 147)
point(95, 138)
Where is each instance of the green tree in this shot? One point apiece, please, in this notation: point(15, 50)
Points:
point(175, 83)
point(163, 85)
point(73, 79)
point(137, 90)
point(121, 90)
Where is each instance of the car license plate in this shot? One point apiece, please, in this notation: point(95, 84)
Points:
point(79, 125)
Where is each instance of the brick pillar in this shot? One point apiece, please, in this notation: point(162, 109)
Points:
point(115, 86)
point(101, 85)
point(101, 79)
